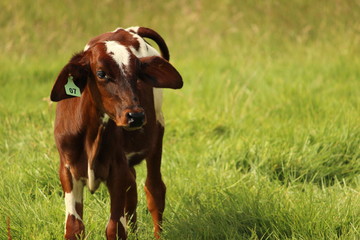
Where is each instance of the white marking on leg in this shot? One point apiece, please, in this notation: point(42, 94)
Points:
point(73, 197)
point(158, 105)
point(119, 53)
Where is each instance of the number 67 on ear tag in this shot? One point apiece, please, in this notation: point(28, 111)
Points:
point(71, 89)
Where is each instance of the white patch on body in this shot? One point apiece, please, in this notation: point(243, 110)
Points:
point(73, 197)
point(158, 96)
point(145, 50)
point(119, 53)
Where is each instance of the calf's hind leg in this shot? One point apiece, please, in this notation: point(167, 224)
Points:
point(73, 190)
point(154, 186)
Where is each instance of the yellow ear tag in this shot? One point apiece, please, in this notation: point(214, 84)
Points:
point(71, 89)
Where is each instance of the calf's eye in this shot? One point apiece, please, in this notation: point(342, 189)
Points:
point(101, 74)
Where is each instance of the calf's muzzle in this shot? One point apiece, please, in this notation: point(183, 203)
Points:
point(131, 118)
point(135, 119)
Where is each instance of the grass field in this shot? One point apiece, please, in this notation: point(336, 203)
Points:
point(263, 141)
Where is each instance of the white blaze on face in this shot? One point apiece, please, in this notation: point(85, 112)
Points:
point(119, 53)
point(73, 197)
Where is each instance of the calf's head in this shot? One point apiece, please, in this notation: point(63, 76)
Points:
point(108, 73)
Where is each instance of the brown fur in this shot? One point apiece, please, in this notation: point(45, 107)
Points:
point(81, 136)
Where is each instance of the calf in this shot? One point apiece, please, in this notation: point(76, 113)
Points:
point(107, 120)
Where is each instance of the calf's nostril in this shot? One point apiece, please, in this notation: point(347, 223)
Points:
point(136, 119)
point(136, 115)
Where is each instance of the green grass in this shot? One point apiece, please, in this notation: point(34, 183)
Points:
point(263, 141)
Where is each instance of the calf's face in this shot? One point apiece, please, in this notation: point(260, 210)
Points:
point(114, 75)
point(111, 71)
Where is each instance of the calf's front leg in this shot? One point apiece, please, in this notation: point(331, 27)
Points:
point(117, 185)
point(73, 190)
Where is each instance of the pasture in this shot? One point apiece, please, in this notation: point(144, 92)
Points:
point(263, 141)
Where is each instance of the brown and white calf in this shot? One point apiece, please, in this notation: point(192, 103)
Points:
point(107, 120)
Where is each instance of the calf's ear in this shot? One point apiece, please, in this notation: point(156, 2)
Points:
point(72, 79)
point(159, 73)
